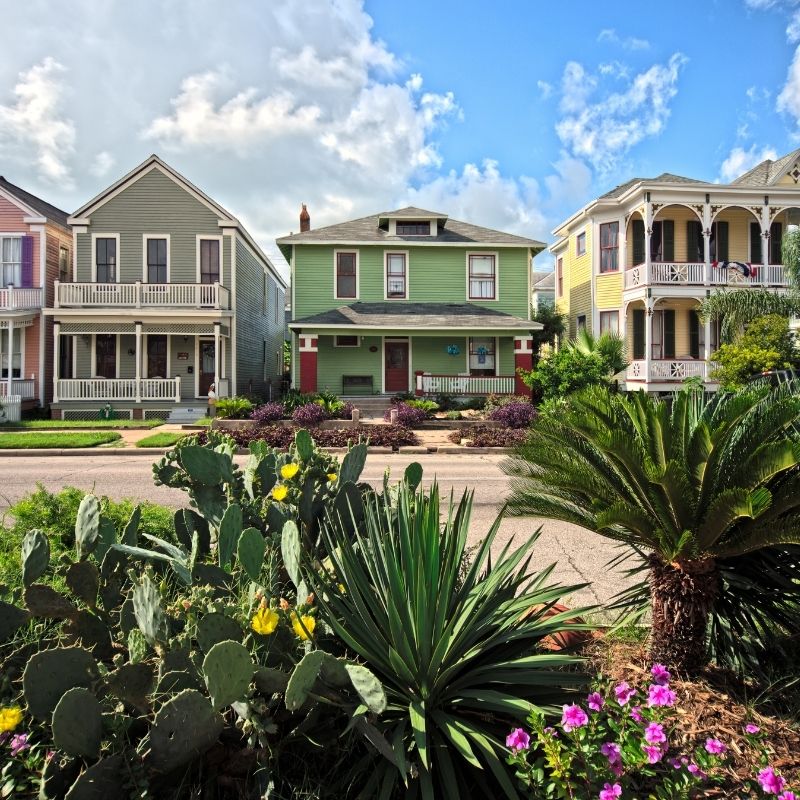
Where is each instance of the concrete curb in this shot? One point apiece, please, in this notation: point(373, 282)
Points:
point(86, 451)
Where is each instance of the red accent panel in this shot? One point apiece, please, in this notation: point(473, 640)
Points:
point(308, 372)
point(522, 361)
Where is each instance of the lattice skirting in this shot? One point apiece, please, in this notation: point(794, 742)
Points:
point(93, 413)
point(157, 413)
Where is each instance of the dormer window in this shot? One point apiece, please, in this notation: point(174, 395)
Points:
point(413, 227)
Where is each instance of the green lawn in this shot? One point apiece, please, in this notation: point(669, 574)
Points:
point(163, 439)
point(27, 441)
point(62, 424)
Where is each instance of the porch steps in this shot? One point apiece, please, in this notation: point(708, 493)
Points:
point(183, 414)
point(371, 406)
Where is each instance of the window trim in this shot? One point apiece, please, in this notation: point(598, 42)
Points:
point(496, 354)
point(615, 248)
point(386, 254)
point(559, 276)
point(208, 236)
point(336, 252)
point(62, 248)
point(10, 354)
point(93, 360)
point(600, 320)
point(347, 336)
point(10, 235)
point(413, 222)
point(495, 254)
point(145, 238)
point(580, 324)
point(118, 270)
point(578, 237)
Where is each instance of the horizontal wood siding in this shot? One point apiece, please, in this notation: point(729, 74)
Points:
point(608, 291)
point(429, 354)
point(333, 362)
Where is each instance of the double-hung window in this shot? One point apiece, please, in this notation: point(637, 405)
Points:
point(105, 250)
point(63, 264)
point(11, 265)
point(609, 322)
point(580, 244)
point(609, 247)
point(11, 353)
point(482, 276)
point(481, 356)
point(209, 261)
point(396, 276)
point(156, 260)
point(560, 277)
point(346, 275)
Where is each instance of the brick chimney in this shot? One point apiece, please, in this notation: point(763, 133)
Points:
point(305, 219)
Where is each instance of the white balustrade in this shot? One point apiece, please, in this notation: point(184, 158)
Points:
point(12, 298)
point(635, 277)
point(24, 387)
point(11, 408)
point(668, 369)
point(118, 389)
point(465, 384)
point(690, 273)
point(142, 295)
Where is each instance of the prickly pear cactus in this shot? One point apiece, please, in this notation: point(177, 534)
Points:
point(304, 445)
point(214, 628)
point(44, 601)
point(35, 556)
point(353, 463)
point(149, 611)
point(50, 673)
point(270, 681)
point(87, 525)
point(184, 728)
point(368, 687)
point(130, 535)
point(132, 683)
point(230, 529)
point(11, 620)
point(83, 580)
point(302, 679)
point(252, 547)
point(291, 552)
point(228, 670)
point(102, 780)
point(78, 724)
point(413, 475)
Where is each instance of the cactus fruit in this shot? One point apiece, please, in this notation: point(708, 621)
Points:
point(83, 580)
point(270, 681)
point(149, 611)
point(78, 723)
point(44, 601)
point(184, 728)
point(50, 673)
point(368, 687)
point(11, 620)
point(35, 556)
point(230, 529)
point(102, 780)
point(353, 464)
point(132, 683)
point(302, 679)
point(214, 628)
point(250, 551)
point(304, 445)
point(228, 670)
point(87, 525)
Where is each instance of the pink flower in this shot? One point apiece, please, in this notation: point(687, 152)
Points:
point(624, 692)
point(770, 781)
point(573, 717)
point(518, 740)
point(551, 731)
point(19, 743)
point(660, 674)
point(595, 701)
point(616, 769)
point(636, 714)
point(612, 752)
point(654, 733)
point(787, 795)
point(658, 695)
point(653, 753)
point(609, 792)
point(675, 763)
point(752, 729)
point(715, 747)
point(697, 772)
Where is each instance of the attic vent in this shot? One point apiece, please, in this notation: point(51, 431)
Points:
point(413, 228)
point(795, 173)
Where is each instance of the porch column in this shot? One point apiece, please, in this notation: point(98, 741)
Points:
point(648, 232)
point(707, 256)
point(138, 362)
point(309, 350)
point(216, 358)
point(523, 359)
point(622, 242)
point(56, 357)
point(10, 356)
point(706, 346)
point(648, 338)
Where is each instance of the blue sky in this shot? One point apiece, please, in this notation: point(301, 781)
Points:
point(510, 114)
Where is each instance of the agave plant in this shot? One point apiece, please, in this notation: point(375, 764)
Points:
point(456, 645)
point(703, 488)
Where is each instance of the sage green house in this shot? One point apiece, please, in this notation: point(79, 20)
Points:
point(409, 301)
point(169, 299)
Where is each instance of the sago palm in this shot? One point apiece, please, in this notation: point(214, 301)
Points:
point(697, 486)
point(609, 346)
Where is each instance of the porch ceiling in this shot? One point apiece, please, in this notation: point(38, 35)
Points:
point(151, 326)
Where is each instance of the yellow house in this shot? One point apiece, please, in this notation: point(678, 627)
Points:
point(639, 259)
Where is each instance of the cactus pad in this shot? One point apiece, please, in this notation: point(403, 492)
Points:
point(251, 549)
point(184, 728)
point(132, 683)
point(50, 673)
point(334, 671)
point(148, 610)
point(78, 723)
point(230, 529)
point(177, 681)
point(102, 780)
point(270, 681)
point(87, 525)
point(35, 556)
point(57, 776)
point(353, 464)
point(302, 679)
point(368, 687)
point(304, 445)
point(11, 620)
point(91, 632)
point(83, 580)
point(214, 628)
point(43, 601)
point(228, 670)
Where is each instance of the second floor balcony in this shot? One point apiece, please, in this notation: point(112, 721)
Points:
point(206, 296)
point(679, 273)
point(14, 298)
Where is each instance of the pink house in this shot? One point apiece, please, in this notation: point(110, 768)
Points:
point(35, 251)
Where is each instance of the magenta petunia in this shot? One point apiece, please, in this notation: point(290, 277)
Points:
point(697, 772)
point(612, 752)
point(658, 695)
point(19, 743)
point(573, 717)
point(654, 733)
point(787, 795)
point(715, 747)
point(660, 674)
point(653, 753)
point(595, 701)
point(518, 740)
point(610, 792)
point(636, 714)
point(770, 781)
point(752, 729)
point(624, 692)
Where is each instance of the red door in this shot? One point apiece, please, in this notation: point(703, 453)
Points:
point(396, 357)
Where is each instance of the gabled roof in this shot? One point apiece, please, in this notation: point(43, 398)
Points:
point(544, 281)
point(47, 210)
point(664, 177)
point(411, 212)
point(768, 172)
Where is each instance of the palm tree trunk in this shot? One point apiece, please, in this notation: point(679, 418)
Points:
point(682, 597)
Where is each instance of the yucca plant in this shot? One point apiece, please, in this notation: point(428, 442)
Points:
point(457, 645)
point(702, 488)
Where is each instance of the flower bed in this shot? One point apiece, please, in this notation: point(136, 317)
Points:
point(489, 436)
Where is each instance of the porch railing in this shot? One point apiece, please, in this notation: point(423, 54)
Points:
point(663, 273)
point(428, 383)
point(24, 387)
point(668, 369)
point(142, 295)
point(130, 389)
point(13, 298)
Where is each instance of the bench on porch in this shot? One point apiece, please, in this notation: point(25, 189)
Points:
point(354, 384)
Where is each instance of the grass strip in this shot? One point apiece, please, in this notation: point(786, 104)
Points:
point(162, 439)
point(31, 441)
point(64, 424)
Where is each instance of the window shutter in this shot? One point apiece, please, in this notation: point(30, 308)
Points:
point(669, 333)
point(755, 243)
point(668, 227)
point(27, 262)
point(775, 243)
point(638, 242)
point(638, 333)
point(694, 334)
point(722, 241)
point(694, 241)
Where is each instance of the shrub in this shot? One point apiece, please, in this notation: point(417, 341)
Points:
point(493, 401)
point(309, 415)
point(474, 403)
point(453, 415)
point(269, 412)
point(446, 402)
point(514, 415)
point(281, 436)
point(294, 399)
point(233, 408)
point(428, 406)
point(407, 416)
point(345, 410)
point(489, 436)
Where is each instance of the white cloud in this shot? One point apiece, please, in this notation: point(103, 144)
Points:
point(740, 160)
point(789, 98)
point(628, 42)
point(793, 28)
point(102, 163)
point(545, 89)
point(603, 131)
point(34, 124)
point(761, 5)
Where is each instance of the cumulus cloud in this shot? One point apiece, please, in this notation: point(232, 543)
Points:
point(740, 160)
point(33, 125)
point(102, 163)
point(545, 89)
point(628, 42)
point(603, 131)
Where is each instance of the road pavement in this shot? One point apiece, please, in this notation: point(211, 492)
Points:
point(581, 556)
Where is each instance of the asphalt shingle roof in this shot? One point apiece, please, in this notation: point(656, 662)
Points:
point(544, 280)
point(767, 172)
point(665, 177)
point(46, 209)
point(416, 315)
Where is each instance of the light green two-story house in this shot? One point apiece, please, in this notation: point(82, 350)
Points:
point(169, 298)
point(409, 301)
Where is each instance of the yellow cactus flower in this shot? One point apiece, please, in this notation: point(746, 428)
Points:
point(288, 471)
point(303, 626)
point(342, 590)
point(11, 717)
point(332, 476)
point(279, 492)
point(265, 620)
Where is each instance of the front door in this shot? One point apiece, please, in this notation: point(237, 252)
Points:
point(396, 356)
point(206, 367)
point(156, 356)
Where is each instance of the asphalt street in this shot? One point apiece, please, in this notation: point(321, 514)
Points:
point(580, 555)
